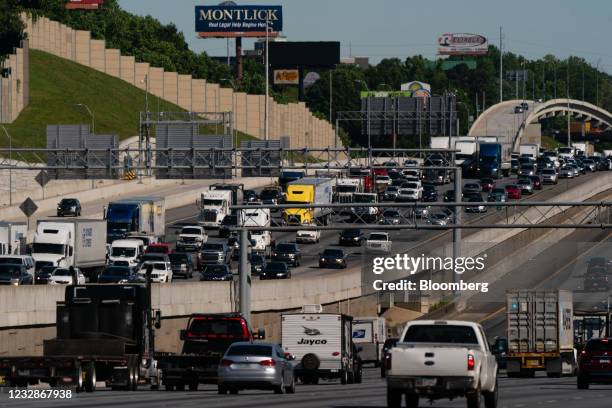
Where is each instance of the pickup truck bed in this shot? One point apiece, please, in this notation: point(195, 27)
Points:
point(442, 359)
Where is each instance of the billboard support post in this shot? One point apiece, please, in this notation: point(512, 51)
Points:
point(239, 59)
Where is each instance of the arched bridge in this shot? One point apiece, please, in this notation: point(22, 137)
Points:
point(500, 119)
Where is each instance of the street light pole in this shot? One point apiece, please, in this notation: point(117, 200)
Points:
point(267, 80)
point(93, 131)
point(569, 135)
point(11, 166)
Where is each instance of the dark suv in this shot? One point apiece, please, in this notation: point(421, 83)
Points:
point(69, 206)
point(287, 252)
point(351, 237)
point(595, 363)
point(182, 264)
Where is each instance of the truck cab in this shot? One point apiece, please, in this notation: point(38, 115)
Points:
point(214, 206)
point(205, 340)
point(54, 244)
point(261, 240)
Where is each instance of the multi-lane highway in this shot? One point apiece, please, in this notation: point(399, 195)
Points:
point(514, 393)
point(403, 241)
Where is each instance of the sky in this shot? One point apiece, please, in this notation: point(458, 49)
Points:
point(400, 28)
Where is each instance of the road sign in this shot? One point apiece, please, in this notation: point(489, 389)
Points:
point(28, 207)
point(42, 178)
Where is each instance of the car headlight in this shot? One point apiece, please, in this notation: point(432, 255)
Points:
point(14, 282)
point(123, 281)
point(322, 259)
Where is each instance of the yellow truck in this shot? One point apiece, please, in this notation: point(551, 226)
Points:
point(314, 190)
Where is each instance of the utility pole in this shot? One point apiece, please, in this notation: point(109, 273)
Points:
point(544, 82)
point(11, 164)
point(501, 65)
point(569, 134)
point(331, 98)
point(267, 113)
point(597, 84)
point(245, 275)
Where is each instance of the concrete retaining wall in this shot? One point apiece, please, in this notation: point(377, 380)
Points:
point(14, 88)
point(189, 93)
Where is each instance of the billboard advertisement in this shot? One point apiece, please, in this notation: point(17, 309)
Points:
point(316, 54)
point(417, 89)
point(384, 94)
point(225, 21)
point(286, 77)
point(84, 4)
point(462, 44)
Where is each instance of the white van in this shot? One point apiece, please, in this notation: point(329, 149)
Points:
point(130, 250)
point(370, 334)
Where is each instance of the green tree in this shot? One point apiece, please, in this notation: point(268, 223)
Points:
point(11, 27)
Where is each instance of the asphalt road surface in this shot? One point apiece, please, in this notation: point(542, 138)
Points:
point(514, 393)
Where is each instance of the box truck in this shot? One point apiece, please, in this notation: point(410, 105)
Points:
point(12, 238)
point(308, 191)
point(493, 160)
point(586, 148)
point(139, 215)
point(79, 243)
point(322, 346)
point(530, 149)
point(370, 334)
point(540, 332)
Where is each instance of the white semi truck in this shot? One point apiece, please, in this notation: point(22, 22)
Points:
point(80, 243)
point(214, 205)
point(261, 240)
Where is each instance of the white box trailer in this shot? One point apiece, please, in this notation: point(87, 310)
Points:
point(370, 334)
point(321, 343)
point(12, 238)
point(531, 149)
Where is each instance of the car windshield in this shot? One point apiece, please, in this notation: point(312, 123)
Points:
point(116, 271)
point(285, 248)
point(440, 334)
point(412, 186)
point(351, 232)
point(475, 200)
point(377, 237)
point(127, 252)
point(511, 186)
point(157, 249)
point(364, 198)
point(68, 202)
point(7, 271)
point(250, 350)
point(548, 171)
point(471, 186)
point(390, 213)
point(391, 189)
point(212, 247)
point(333, 253)
point(61, 272)
point(230, 220)
point(438, 216)
point(178, 258)
point(598, 345)
point(11, 261)
point(215, 270)
point(276, 267)
point(191, 231)
point(257, 259)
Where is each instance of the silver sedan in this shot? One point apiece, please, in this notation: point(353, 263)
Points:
point(262, 366)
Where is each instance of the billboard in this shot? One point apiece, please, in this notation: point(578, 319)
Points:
point(462, 44)
point(384, 94)
point(286, 77)
point(238, 21)
point(292, 54)
point(84, 4)
point(417, 89)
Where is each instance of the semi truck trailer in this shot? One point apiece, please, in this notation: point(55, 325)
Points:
point(144, 215)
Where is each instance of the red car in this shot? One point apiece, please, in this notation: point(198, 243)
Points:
point(536, 181)
point(159, 248)
point(595, 363)
point(513, 191)
point(487, 184)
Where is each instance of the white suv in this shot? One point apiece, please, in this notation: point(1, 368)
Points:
point(162, 271)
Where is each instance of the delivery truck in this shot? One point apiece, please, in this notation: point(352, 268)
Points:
point(493, 160)
point(370, 334)
point(64, 243)
point(530, 149)
point(142, 215)
point(12, 238)
point(309, 191)
point(540, 332)
point(105, 333)
point(585, 149)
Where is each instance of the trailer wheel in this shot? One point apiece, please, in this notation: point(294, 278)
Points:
point(79, 378)
point(343, 377)
point(90, 377)
point(135, 376)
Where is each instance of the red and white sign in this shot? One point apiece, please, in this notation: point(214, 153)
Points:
point(462, 44)
point(84, 4)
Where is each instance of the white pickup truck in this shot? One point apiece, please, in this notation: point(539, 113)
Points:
point(378, 242)
point(442, 359)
